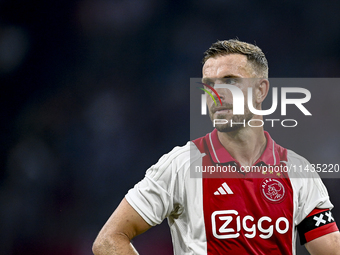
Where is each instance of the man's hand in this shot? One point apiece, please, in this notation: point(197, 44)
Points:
point(325, 245)
point(115, 236)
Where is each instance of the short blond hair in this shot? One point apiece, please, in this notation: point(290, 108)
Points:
point(253, 53)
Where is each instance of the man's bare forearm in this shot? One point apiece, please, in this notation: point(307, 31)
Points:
point(117, 245)
point(115, 236)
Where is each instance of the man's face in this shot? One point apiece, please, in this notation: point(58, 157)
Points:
point(231, 69)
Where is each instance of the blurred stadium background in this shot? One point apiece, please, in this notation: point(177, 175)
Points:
point(93, 92)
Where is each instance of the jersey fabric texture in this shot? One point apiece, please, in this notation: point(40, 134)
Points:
point(234, 212)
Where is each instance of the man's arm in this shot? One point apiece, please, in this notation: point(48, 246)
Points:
point(115, 236)
point(325, 245)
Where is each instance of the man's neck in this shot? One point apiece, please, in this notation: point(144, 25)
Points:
point(245, 145)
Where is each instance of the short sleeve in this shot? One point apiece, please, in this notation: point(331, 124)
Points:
point(153, 196)
point(313, 194)
point(312, 204)
point(317, 219)
point(309, 190)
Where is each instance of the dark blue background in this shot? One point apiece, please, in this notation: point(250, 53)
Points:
point(94, 92)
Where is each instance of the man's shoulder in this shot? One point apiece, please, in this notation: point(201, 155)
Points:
point(180, 153)
point(292, 156)
point(299, 167)
point(179, 158)
point(190, 151)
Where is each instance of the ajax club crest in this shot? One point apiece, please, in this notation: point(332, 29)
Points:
point(273, 190)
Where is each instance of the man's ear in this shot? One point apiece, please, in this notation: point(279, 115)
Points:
point(262, 90)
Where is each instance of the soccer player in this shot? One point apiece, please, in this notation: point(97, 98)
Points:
point(238, 212)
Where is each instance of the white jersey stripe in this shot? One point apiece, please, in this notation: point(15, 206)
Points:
point(221, 191)
point(212, 146)
point(274, 152)
point(226, 187)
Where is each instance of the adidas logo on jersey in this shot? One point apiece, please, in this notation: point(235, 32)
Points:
point(223, 190)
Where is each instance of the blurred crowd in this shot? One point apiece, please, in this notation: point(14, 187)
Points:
point(95, 91)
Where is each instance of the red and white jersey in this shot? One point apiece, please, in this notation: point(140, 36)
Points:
point(233, 212)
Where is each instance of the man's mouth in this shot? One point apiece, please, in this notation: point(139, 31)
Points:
point(222, 109)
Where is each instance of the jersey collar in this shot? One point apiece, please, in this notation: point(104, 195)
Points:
point(219, 154)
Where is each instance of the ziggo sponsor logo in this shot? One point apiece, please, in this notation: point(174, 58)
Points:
point(223, 225)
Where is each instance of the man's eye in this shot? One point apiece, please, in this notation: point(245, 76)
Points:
point(211, 84)
point(230, 81)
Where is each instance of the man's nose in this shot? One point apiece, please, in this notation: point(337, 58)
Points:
point(222, 92)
